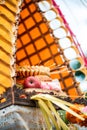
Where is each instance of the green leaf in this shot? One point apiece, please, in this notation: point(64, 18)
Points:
point(62, 114)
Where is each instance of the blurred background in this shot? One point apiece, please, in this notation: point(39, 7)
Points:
point(75, 12)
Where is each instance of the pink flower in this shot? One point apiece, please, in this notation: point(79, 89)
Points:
point(84, 110)
point(50, 86)
point(45, 85)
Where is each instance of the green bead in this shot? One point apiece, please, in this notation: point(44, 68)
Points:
point(80, 76)
point(75, 64)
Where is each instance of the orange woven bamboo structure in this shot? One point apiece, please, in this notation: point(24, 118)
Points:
point(43, 39)
point(41, 42)
point(35, 33)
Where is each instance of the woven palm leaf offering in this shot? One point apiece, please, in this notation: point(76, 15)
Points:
point(42, 71)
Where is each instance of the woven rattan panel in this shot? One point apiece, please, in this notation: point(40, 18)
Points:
point(36, 45)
